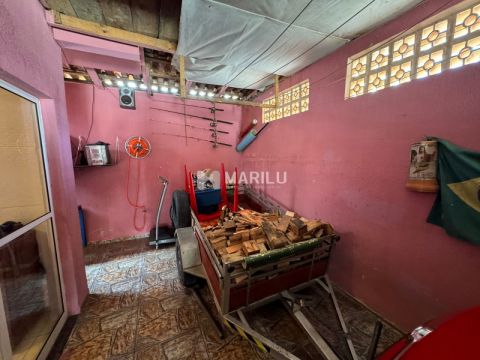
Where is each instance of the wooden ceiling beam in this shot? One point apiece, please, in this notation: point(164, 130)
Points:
point(94, 77)
point(231, 102)
point(59, 20)
point(222, 90)
point(183, 90)
point(145, 69)
point(277, 89)
point(252, 94)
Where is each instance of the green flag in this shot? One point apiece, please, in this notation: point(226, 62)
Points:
point(457, 206)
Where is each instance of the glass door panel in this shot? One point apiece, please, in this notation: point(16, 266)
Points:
point(30, 289)
point(23, 194)
point(31, 303)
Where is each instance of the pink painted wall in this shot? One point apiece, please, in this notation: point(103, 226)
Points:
point(102, 191)
point(31, 60)
point(347, 162)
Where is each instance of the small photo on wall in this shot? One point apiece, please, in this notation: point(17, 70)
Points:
point(423, 160)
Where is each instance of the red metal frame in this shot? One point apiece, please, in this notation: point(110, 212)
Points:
point(190, 189)
point(265, 288)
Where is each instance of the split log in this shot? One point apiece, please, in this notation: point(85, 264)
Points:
point(229, 225)
point(218, 239)
point(298, 227)
point(313, 226)
point(234, 248)
point(283, 223)
point(262, 248)
point(261, 240)
point(256, 233)
point(292, 237)
point(231, 258)
point(250, 247)
point(276, 239)
point(240, 279)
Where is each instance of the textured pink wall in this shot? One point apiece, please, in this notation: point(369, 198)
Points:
point(31, 60)
point(101, 191)
point(347, 162)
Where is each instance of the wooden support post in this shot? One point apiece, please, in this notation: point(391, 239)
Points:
point(183, 90)
point(277, 87)
point(145, 69)
point(94, 77)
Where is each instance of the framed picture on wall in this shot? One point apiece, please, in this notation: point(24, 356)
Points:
point(423, 167)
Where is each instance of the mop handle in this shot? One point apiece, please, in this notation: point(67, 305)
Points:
point(160, 204)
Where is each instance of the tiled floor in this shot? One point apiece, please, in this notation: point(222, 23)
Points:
point(137, 309)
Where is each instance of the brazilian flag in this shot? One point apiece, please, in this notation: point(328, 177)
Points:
point(457, 206)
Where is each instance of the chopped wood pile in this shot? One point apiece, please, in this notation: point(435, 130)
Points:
point(248, 232)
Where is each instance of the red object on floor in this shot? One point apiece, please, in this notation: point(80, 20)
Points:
point(457, 338)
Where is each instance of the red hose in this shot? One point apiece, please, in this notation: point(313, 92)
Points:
point(135, 204)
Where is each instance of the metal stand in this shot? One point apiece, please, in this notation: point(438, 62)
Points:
point(294, 303)
point(166, 239)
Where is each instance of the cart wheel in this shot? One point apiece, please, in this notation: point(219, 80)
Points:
point(180, 210)
point(187, 280)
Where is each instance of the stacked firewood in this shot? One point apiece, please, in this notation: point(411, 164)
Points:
point(248, 232)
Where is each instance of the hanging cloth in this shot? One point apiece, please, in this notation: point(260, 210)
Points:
point(457, 206)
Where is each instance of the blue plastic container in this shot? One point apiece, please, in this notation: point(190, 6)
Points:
point(208, 200)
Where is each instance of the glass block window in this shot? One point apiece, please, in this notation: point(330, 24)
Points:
point(467, 22)
point(400, 73)
point(465, 52)
point(403, 48)
point(434, 35)
point(377, 81)
point(448, 40)
point(291, 101)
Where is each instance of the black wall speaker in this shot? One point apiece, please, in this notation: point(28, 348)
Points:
point(127, 98)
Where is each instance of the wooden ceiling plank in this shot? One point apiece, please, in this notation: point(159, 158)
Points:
point(145, 17)
point(169, 19)
point(117, 13)
point(63, 6)
point(62, 21)
point(88, 10)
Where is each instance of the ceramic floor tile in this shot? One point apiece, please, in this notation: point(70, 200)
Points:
point(187, 346)
point(153, 352)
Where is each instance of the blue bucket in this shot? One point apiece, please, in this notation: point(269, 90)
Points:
point(208, 200)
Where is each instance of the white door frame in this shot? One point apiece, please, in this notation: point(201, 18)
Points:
point(5, 347)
